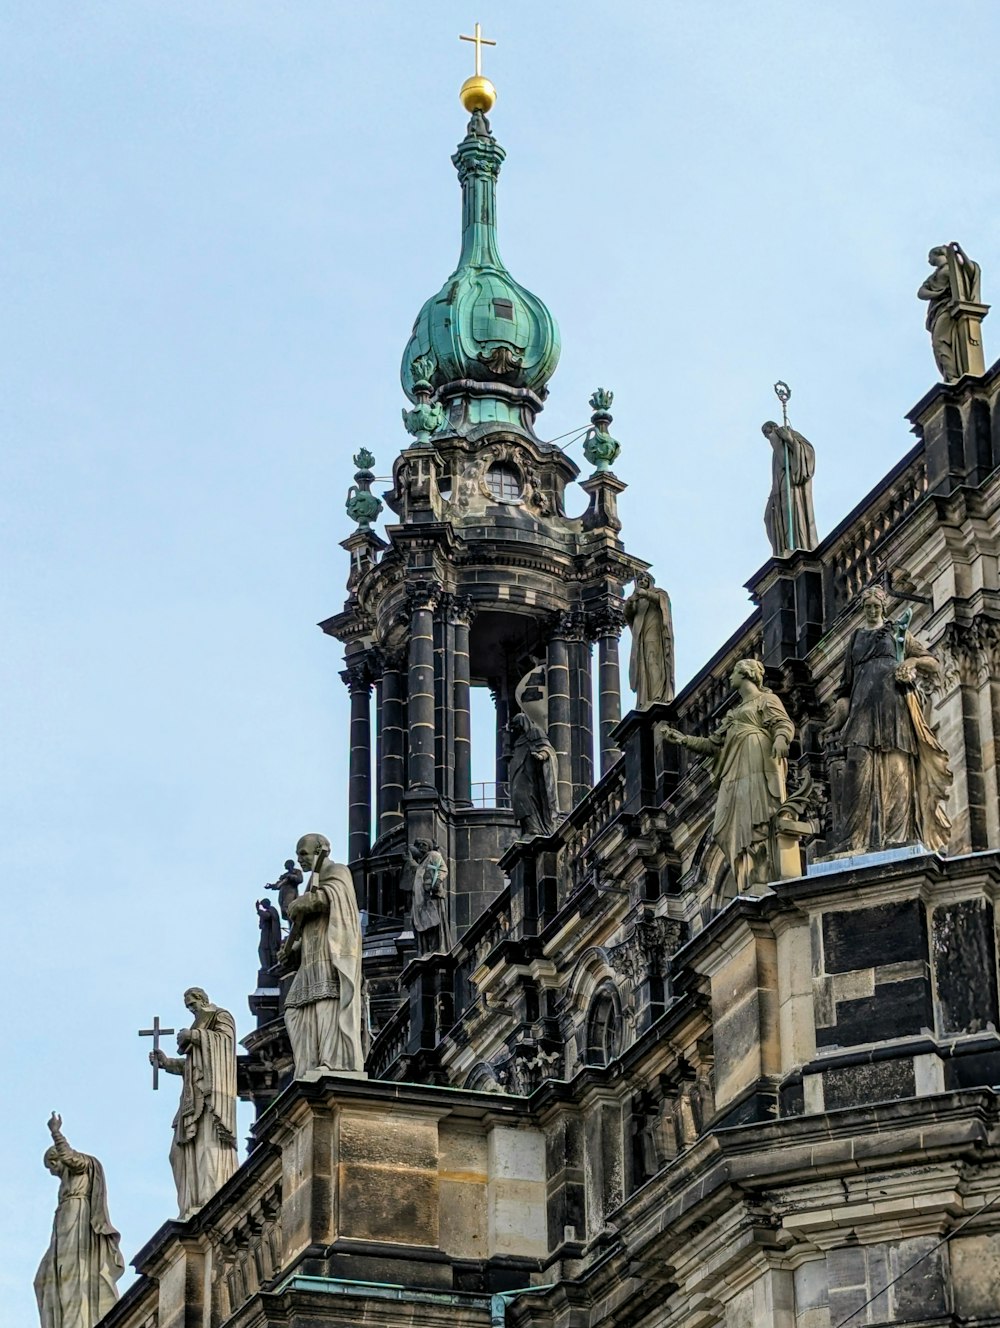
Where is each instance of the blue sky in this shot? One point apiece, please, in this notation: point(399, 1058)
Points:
point(218, 222)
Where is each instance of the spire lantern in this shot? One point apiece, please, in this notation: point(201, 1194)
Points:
point(493, 344)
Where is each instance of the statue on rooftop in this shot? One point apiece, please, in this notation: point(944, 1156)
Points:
point(651, 663)
point(287, 886)
point(954, 312)
point(203, 1151)
point(75, 1283)
point(431, 925)
point(531, 778)
point(789, 518)
point(270, 934)
point(896, 776)
point(323, 1008)
point(748, 750)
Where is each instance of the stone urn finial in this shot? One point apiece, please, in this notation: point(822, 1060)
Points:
point(599, 447)
point(362, 506)
point(427, 416)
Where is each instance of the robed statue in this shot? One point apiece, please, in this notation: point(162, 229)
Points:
point(270, 935)
point(895, 776)
point(323, 1007)
point(287, 886)
point(954, 311)
point(429, 909)
point(651, 663)
point(748, 754)
point(203, 1150)
point(75, 1283)
point(532, 778)
point(789, 518)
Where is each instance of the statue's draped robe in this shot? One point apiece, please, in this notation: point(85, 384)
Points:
point(534, 796)
point(791, 493)
point(651, 662)
point(953, 281)
point(430, 910)
point(896, 776)
point(75, 1282)
point(203, 1152)
point(323, 1005)
point(751, 782)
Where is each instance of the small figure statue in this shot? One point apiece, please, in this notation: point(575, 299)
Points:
point(75, 1283)
point(651, 663)
point(534, 794)
point(431, 926)
point(323, 1008)
point(749, 750)
point(270, 934)
point(789, 518)
point(955, 331)
point(896, 776)
point(287, 886)
point(203, 1150)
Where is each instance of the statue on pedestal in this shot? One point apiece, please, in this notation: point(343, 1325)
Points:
point(954, 312)
point(75, 1283)
point(270, 934)
point(748, 751)
point(651, 663)
point(287, 886)
point(431, 925)
point(896, 777)
point(323, 1007)
point(534, 795)
point(203, 1151)
point(789, 518)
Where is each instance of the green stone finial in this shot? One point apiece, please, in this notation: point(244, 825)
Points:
point(600, 449)
point(427, 416)
point(362, 506)
point(482, 326)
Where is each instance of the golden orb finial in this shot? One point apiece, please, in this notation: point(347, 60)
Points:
point(478, 93)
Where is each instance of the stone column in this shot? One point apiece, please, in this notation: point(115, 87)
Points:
point(560, 718)
point(392, 740)
point(497, 691)
point(358, 678)
point(420, 690)
point(581, 710)
point(609, 686)
point(461, 706)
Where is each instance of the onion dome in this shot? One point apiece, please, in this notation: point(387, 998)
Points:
point(483, 336)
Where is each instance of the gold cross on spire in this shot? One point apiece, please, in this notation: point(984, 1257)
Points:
point(479, 41)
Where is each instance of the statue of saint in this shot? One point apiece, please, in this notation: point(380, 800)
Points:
point(323, 1007)
point(651, 663)
point(431, 926)
point(203, 1151)
point(896, 777)
point(531, 778)
point(955, 280)
point(287, 886)
point(789, 518)
point(270, 934)
point(75, 1283)
point(748, 751)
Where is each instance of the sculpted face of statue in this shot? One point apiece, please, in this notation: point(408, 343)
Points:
point(196, 1000)
point(308, 849)
point(51, 1161)
point(873, 606)
point(938, 256)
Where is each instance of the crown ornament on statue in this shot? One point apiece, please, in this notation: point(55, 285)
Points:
point(600, 449)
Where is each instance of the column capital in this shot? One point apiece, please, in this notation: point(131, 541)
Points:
point(607, 620)
point(359, 676)
point(423, 595)
point(568, 625)
point(461, 609)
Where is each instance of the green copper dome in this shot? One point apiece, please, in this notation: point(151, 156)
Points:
point(482, 325)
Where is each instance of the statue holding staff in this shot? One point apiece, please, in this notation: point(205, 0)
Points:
point(788, 517)
point(749, 766)
point(954, 311)
point(75, 1283)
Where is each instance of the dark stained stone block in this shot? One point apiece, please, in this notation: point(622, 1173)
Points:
point(964, 956)
point(898, 1009)
point(869, 937)
point(884, 1081)
point(791, 1101)
point(920, 1293)
point(978, 1071)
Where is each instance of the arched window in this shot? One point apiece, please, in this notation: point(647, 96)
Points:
point(603, 1027)
point(504, 482)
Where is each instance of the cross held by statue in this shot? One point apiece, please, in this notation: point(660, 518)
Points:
point(156, 1032)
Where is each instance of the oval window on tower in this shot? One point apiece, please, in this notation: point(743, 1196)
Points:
point(504, 482)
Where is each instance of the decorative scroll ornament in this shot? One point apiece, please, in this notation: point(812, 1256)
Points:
point(362, 506)
point(600, 449)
